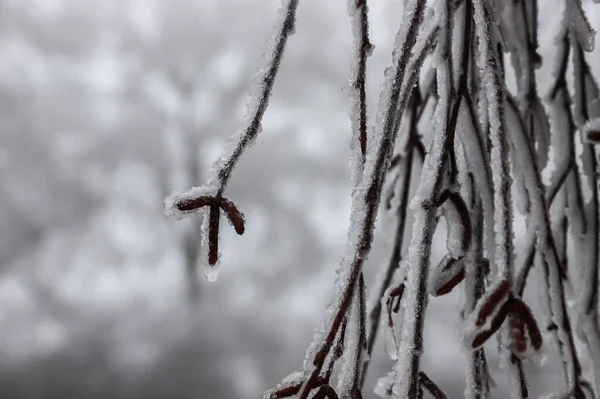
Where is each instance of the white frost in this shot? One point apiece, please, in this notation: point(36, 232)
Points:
point(209, 271)
point(176, 197)
point(591, 131)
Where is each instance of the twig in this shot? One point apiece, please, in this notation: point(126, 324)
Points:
point(499, 150)
point(586, 90)
point(264, 80)
point(431, 386)
point(367, 198)
point(195, 199)
point(404, 169)
point(475, 271)
point(415, 298)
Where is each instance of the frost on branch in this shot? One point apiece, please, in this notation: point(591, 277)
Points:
point(446, 275)
point(260, 89)
point(210, 196)
point(476, 149)
point(584, 32)
point(183, 205)
point(458, 222)
point(488, 316)
point(207, 200)
point(287, 388)
point(362, 48)
point(390, 301)
point(591, 131)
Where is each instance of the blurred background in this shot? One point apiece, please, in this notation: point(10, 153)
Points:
point(106, 107)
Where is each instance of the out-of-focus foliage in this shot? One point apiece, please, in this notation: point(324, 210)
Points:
point(106, 107)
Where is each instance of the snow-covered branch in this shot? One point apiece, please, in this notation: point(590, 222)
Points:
point(482, 156)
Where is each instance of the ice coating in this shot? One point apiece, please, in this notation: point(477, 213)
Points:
point(173, 201)
point(414, 301)
point(209, 270)
point(499, 158)
point(366, 195)
point(290, 380)
point(361, 49)
point(584, 32)
point(353, 351)
point(260, 88)
point(472, 140)
point(591, 131)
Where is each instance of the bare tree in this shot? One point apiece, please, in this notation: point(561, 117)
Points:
point(480, 150)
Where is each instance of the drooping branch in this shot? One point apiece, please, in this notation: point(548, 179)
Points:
point(367, 194)
point(481, 133)
point(414, 301)
point(358, 10)
point(586, 107)
point(488, 63)
point(402, 185)
point(431, 386)
point(263, 83)
point(189, 203)
point(476, 269)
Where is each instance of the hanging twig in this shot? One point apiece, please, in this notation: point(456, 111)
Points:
point(415, 298)
point(465, 178)
point(431, 386)
point(405, 171)
point(191, 202)
point(368, 193)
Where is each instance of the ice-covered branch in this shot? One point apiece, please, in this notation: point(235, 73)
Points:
point(414, 301)
point(194, 200)
point(367, 194)
point(586, 107)
point(362, 48)
point(479, 139)
point(493, 86)
point(260, 92)
point(350, 380)
point(400, 192)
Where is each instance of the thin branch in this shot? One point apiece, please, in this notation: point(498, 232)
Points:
point(415, 298)
point(369, 196)
point(405, 170)
point(431, 386)
point(264, 80)
point(499, 150)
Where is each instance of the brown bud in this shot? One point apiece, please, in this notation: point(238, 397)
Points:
point(521, 311)
point(593, 136)
point(431, 386)
point(497, 319)
point(235, 217)
point(446, 275)
point(518, 340)
point(493, 301)
point(192, 204)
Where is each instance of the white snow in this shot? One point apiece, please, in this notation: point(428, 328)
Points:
point(591, 131)
point(177, 197)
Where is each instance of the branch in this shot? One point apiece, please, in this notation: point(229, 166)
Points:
point(262, 85)
point(406, 380)
point(499, 151)
point(367, 195)
point(190, 202)
point(431, 386)
point(404, 171)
